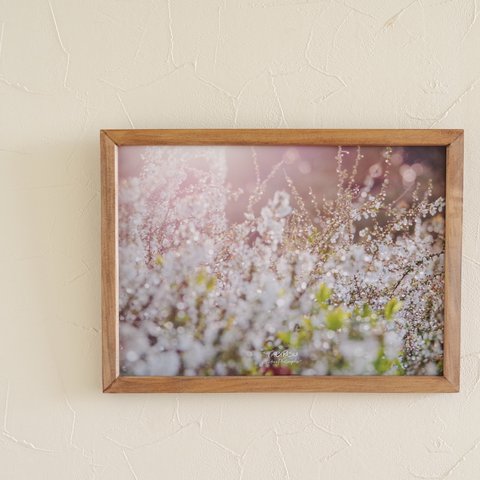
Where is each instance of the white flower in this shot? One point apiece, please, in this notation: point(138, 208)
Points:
point(280, 204)
point(163, 363)
point(199, 296)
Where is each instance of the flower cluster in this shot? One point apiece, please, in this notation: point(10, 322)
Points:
point(353, 285)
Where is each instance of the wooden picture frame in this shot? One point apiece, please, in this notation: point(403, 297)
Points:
point(113, 382)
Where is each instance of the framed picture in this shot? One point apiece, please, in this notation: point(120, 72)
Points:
point(281, 260)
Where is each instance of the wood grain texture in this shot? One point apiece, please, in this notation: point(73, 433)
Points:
point(367, 384)
point(449, 382)
point(284, 137)
point(453, 261)
point(108, 151)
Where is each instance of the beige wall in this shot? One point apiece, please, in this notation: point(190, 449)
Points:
point(70, 68)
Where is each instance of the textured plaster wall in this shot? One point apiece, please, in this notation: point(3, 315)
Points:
point(69, 68)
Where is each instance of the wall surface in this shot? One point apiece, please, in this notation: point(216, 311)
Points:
point(69, 68)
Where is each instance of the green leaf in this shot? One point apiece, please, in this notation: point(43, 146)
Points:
point(400, 369)
point(335, 318)
point(323, 294)
point(211, 282)
point(382, 364)
point(285, 337)
point(159, 260)
point(373, 319)
point(307, 323)
point(391, 308)
point(366, 310)
point(201, 277)
point(302, 337)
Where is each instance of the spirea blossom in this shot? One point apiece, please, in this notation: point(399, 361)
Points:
point(283, 291)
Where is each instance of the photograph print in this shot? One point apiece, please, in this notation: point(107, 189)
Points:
point(281, 260)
